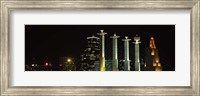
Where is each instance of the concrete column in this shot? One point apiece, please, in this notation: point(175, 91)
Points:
point(102, 50)
point(137, 53)
point(115, 51)
point(126, 54)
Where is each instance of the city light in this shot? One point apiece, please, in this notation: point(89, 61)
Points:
point(69, 60)
point(152, 53)
point(46, 64)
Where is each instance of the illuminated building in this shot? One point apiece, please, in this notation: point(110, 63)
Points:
point(90, 55)
point(126, 54)
point(152, 62)
point(137, 51)
point(102, 50)
point(115, 53)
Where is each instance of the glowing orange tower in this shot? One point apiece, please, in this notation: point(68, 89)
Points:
point(152, 57)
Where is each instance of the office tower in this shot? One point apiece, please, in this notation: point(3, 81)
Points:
point(90, 55)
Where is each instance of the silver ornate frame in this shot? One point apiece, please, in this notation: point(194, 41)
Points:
point(7, 5)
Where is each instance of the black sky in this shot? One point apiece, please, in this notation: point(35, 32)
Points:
point(53, 41)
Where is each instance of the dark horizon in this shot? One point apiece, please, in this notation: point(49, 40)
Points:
point(48, 42)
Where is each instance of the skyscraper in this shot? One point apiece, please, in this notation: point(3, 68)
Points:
point(152, 62)
point(91, 54)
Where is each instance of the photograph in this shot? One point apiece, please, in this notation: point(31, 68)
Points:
point(99, 47)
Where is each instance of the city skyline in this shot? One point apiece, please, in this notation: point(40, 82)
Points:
point(53, 41)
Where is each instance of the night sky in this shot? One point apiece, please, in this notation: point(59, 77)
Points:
point(49, 42)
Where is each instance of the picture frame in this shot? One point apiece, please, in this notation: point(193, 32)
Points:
point(7, 6)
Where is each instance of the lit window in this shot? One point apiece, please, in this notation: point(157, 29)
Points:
point(152, 53)
point(157, 61)
point(154, 64)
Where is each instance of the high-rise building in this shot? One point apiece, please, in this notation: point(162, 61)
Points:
point(90, 54)
point(152, 62)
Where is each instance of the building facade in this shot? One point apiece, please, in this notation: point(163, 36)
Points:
point(90, 54)
point(152, 61)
